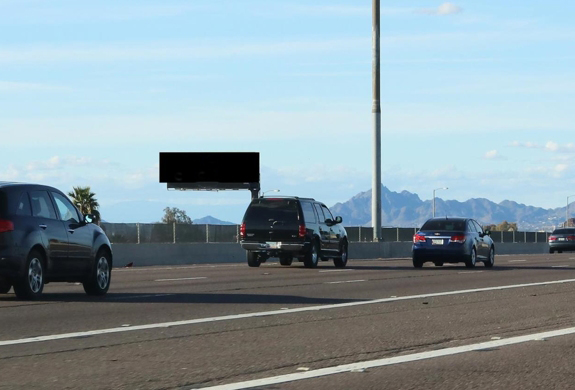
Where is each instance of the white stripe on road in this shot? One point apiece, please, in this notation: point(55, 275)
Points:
point(390, 361)
point(346, 281)
point(336, 270)
point(517, 261)
point(470, 272)
point(269, 313)
point(172, 280)
point(559, 266)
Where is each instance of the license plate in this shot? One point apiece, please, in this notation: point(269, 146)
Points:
point(436, 241)
point(561, 239)
point(273, 245)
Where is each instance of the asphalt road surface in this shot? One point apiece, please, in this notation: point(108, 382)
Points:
point(378, 324)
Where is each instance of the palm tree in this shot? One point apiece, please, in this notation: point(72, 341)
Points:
point(85, 201)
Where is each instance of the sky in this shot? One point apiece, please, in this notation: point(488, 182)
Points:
point(476, 96)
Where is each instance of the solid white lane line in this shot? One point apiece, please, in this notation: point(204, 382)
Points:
point(517, 261)
point(390, 361)
point(560, 266)
point(336, 270)
point(172, 280)
point(346, 281)
point(470, 272)
point(140, 269)
point(271, 313)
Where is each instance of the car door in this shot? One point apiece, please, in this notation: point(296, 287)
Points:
point(485, 240)
point(323, 228)
point(333, 237)
point(80, 235)
point(52, 231)
point(473, 236)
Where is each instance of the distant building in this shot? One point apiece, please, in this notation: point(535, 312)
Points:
point(570, 222)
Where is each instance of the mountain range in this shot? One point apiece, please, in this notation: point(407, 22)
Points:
point(405, 209)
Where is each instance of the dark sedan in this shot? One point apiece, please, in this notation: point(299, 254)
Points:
point(562, 240)
point(452, 240)
point(44, 238)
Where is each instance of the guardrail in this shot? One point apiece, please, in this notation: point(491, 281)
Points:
point(161, 233)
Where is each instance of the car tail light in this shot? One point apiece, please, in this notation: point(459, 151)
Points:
point(243, 231)
point(6, 226)
point(570, 238)
point(459, 238)
point(552, 238)
point(301, 231)
point(418, 238)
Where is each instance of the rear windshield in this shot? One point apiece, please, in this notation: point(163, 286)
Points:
point(3, 203)
point(266, 210)
point(444, 224)
point(563, 231)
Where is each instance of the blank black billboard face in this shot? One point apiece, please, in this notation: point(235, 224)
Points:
point(220, 167)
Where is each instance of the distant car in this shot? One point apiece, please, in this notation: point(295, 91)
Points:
point(292, 227)
point(44, 238)
point(562, 240)
point(452, 240)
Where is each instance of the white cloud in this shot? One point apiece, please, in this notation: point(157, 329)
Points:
point(10, 174)
point(443, 9)
point(14, 86)
point(493, 155)
point(561, 168)
point(552, 146)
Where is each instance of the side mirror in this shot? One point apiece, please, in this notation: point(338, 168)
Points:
point(338, 219)
point(487, 232)
point(89, 218)
point(329, 222)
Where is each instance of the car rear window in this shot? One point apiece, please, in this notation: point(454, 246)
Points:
point(444, 224)
point(563, 231)
point(265, 210)
point(3, 203)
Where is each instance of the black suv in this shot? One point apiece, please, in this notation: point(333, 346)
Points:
point(44, 238)
point(288, 227)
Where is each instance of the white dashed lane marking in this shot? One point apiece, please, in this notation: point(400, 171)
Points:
point(346, 281)
point(177, 279)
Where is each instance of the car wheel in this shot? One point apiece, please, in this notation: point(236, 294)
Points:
point(98, 281)
point(286, 260)
point(471, 259)
point(31, 285)
point(491, 259)
point(312, 256)
point(253, 259)
point(439, 263)
point(5, 287)
point(417, 263)
point(341, 261)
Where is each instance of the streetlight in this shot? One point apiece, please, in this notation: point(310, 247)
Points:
point(441, 188)
point(265, 192)
point(567, 211)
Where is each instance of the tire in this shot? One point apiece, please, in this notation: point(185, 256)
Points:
point(31, 284)
point(98, 281)
point(253, 259)
point(341, 261)
point(471, 259)
point(439, 263)
point(286, 260)
point(312, 256)
point(5, 287)
point(417, 263)
point(490, 259)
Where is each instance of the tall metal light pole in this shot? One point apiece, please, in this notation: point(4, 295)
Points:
point(376, 110)
point(567, 211)
point(441, 188)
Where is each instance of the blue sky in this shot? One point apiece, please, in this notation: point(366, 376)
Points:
point(476, 96)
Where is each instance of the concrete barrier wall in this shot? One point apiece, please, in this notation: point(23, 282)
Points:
point(180, 254)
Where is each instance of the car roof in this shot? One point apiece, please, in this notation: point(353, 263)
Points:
point(13, 184)
point(286, 197)
point(449, 219)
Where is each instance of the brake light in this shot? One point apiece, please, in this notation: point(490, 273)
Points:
point(243, 231)
point(301, 231)
point(418, 238)
point(6, 226)
point(459, 238)
point(570, 238)
point(552, 238)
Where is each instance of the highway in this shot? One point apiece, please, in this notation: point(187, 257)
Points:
point(378, 324)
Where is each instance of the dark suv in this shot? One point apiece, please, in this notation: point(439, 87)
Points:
point(292, 227)
point(44, 238)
